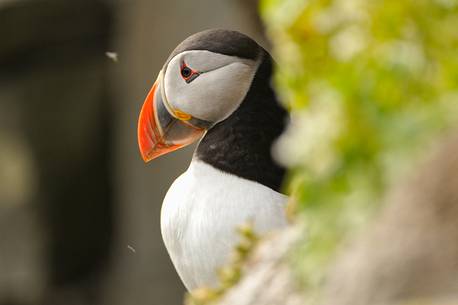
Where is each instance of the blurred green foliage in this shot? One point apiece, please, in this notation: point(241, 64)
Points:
point(371, 84)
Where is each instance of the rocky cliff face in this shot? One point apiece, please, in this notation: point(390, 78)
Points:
point(408, 255)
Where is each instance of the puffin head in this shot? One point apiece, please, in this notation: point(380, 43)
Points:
point(203, 82)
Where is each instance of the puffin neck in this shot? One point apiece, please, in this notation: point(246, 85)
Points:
point(241, 144)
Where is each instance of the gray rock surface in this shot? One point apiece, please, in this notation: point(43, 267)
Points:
point(408, 255)
point(411, 252)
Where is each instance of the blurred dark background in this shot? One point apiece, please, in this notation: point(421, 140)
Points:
point(79, 210)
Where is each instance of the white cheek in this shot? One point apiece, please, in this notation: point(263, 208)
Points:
point(214, 95)
point(205, 60)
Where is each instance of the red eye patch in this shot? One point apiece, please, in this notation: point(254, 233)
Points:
point(187, 73)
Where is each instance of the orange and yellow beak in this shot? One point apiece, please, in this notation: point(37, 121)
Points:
point(159, 131)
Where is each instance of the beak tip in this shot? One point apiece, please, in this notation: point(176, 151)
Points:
point(145, 155)
point(145, 159)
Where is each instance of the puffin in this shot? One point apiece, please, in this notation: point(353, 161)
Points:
point(215, 88)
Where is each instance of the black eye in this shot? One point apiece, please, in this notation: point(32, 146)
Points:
point(186, 72)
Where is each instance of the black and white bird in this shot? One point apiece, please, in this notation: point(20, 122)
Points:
point(215, 86)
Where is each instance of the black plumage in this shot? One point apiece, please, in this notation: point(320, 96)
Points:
point(225, 42)
point(241, 144)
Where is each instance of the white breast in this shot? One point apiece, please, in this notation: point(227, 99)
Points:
point(201, 212)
